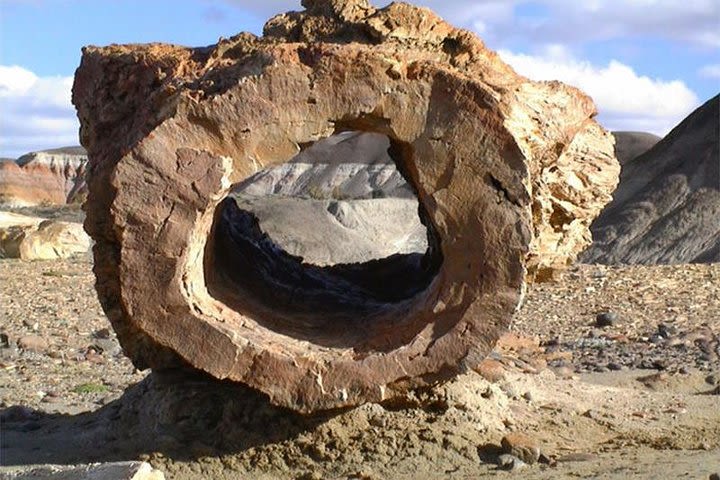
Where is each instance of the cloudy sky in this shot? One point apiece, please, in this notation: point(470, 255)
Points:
point(647, 63)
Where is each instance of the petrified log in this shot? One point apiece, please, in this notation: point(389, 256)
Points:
point(506, 171)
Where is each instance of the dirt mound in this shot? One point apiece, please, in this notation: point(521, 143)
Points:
point(667, 206)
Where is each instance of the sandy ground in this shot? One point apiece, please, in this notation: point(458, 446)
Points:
point(636, 399)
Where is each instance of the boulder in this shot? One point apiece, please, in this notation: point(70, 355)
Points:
point(508, 173)
point(51, 177)
point(33, 238)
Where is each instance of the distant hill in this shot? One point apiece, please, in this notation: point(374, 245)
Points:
point(630, 145)
point(666, 208)
point(348, 165)
point(47, 177)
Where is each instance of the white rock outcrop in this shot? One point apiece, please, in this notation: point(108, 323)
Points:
point(33, 238)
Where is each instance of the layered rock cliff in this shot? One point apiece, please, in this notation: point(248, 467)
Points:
point(50, 177)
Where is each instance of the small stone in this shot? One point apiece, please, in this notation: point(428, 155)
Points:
point(591, 414)
point(528, 396)
point(666, 331)
point(657, 339)
point(103, 333)
point(510, 390)
point(712, 379)
point(714, 476)
point(491, 370)
point(510, 462)
point(614, 366)
point(32, 343)
point(94, 357)
point(522, 446)
point(606, 319)
point(34, 326)
point(660, 364)
point(4, 341)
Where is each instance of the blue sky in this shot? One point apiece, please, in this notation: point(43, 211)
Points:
point(647, 63)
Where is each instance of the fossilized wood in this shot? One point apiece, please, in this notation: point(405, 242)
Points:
point(491, 155)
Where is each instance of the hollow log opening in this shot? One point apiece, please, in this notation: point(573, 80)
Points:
point(300, 246)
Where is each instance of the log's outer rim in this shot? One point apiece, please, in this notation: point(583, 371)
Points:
point(146, 111)
point(473, 298)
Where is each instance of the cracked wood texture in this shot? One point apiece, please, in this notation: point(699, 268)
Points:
point(509, 174)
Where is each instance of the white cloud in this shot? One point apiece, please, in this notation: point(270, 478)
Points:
point(563, 21)
point(625, 100)
point(35, 112)
point(710, 71)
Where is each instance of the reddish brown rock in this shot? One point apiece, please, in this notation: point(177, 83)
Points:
point(504, 169)
point(491, 370)
point(52, 177)
point(522, 446)
point(33, 343)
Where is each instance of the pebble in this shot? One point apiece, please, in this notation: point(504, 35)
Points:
point(606, 319)
point(666, 331)
point(510, 462)
point(102, 333)
point(714, 476)
point(4, 341)
point(614, 366)
point(33, 343)
point(522, 446)
point(491, 370)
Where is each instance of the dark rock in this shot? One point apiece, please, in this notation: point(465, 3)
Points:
point(103, 333)
point(666, 331)
point(606, 319)
point(615, 366)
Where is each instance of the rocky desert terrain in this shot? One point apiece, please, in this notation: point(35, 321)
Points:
point(399, 300)
point(637, 397)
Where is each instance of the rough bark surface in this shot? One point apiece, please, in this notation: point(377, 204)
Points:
point(508, 173)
